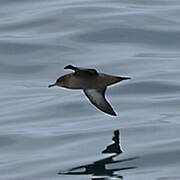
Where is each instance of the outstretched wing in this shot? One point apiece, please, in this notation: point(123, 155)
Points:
point(82, 71)
point(97, 97)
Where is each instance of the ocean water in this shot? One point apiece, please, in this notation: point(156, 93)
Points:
point(45, 131)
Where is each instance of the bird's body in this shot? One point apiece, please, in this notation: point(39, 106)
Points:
point(73, 81)
point(93, 83)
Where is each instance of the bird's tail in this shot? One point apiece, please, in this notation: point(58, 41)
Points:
point(119, 78)
point(123, 78)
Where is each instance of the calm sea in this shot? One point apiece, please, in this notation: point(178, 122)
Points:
point(44, 131)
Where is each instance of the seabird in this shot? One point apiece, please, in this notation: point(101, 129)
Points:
point(93, 84)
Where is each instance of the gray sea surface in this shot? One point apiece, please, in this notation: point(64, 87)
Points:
point(44, 131)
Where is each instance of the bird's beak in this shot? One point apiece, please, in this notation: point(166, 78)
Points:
point(51, 85)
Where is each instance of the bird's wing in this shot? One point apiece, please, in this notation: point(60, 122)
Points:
point(97, 97)
point(88, 71)
point(82, 71)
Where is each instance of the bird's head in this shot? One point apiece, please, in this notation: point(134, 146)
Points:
point(60, 82)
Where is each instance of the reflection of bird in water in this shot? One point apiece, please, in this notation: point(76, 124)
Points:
point(98, 168)
point(115, 147)
point(94, 85)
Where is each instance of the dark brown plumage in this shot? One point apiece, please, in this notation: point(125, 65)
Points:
point(92, 83)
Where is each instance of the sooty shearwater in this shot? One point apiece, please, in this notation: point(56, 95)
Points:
point(93, 84)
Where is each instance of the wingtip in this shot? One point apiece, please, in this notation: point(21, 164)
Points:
point(69, 67)
point(111, 112)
